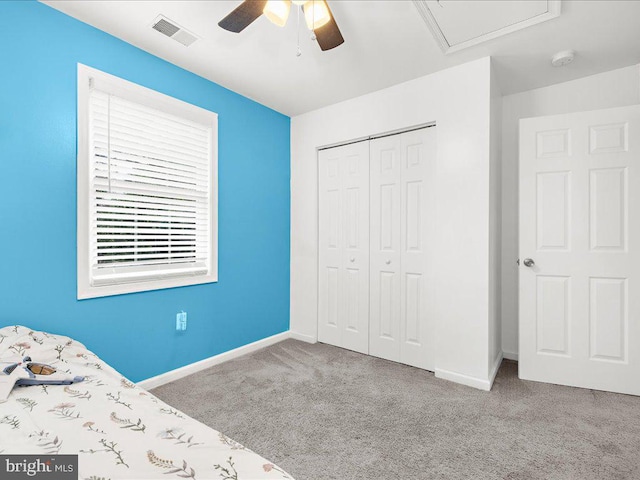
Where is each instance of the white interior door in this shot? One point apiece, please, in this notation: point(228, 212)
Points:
point(402, 249)
point(343, 296)
point(580, 240)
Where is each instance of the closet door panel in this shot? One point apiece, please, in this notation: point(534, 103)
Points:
point(343, 262)
point(417, 234)
point(330, 246)
point(355, 255)
point(385, 254)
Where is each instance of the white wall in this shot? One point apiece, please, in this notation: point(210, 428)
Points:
point(615, 88)
point(495, 231)
point(458, 100)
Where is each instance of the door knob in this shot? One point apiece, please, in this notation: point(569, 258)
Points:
point(388, 262)
point(352, 259)
point(528, 262)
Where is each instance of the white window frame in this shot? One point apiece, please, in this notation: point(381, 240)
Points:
point(88, 76)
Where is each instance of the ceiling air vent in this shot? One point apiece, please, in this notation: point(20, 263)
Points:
point(172, 30)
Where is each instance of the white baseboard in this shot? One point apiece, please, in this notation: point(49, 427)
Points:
point(303, 337)
point(172, 375)
point(192, 368)
point(479, 383)
point(510, 356)
point(475, 382)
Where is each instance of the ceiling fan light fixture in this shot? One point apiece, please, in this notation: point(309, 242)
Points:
point(316, 14)
point(277, 11)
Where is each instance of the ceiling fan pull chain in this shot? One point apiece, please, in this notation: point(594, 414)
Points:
point(313, 21)
point(299, 51)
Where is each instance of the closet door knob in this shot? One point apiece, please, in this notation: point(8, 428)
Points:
point(352, 259)
point(388, 262)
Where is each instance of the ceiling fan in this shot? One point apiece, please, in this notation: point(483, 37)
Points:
point(317, 16)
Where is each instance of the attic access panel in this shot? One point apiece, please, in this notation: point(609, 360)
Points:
point(459, 24)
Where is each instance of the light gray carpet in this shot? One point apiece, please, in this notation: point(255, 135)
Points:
point(321, 412)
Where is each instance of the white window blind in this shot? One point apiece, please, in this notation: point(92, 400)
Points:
point(150, 188)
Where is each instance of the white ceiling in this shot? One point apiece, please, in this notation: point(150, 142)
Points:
point(386, 42)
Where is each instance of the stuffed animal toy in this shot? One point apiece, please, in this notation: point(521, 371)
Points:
point(31, 373)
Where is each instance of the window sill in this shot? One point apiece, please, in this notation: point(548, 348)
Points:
point(86, 291)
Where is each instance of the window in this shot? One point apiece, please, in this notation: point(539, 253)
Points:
point(147, 189)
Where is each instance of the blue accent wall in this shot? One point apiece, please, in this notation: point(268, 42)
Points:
point(135, 333)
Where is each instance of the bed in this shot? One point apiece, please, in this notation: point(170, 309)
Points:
point(119, 430)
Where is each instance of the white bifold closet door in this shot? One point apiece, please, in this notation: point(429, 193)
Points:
point(402, 282)
point(376, 251)
point(343, 306)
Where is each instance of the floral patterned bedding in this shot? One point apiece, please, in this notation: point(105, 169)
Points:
point(119, 430)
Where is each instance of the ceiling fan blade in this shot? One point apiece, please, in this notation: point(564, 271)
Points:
point(329, 35)
point(243, 16)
